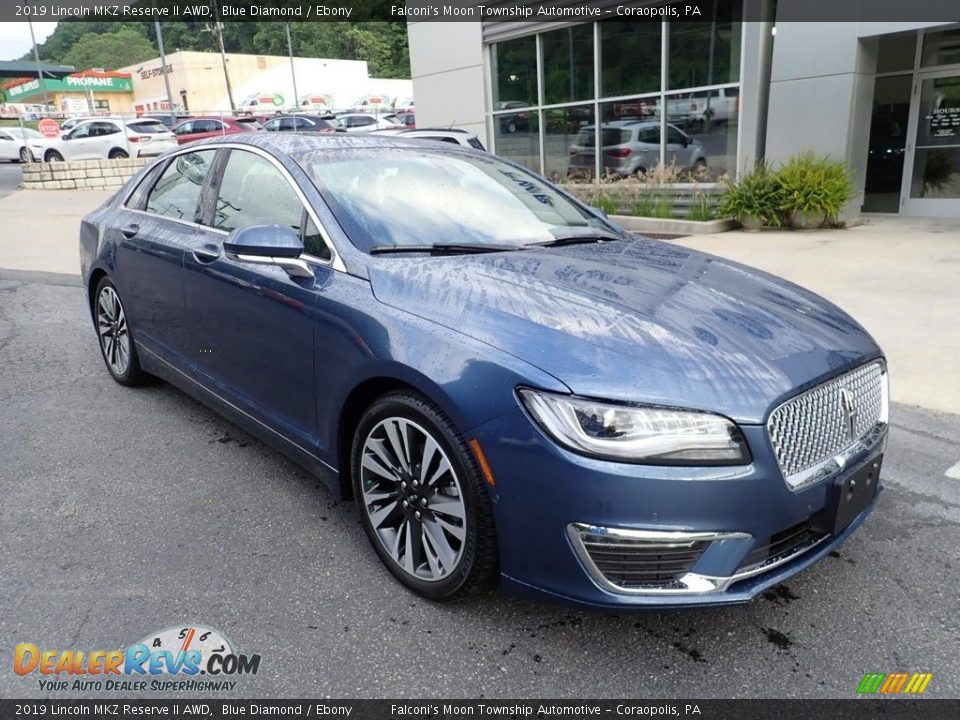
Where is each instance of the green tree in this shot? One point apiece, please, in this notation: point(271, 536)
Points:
point(110, 51)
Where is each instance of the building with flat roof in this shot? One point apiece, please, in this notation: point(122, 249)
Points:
point(260, 83)
point(87, 91)
point(719, 92)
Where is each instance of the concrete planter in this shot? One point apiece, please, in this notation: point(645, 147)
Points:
point(802, 220)
point(672, 226)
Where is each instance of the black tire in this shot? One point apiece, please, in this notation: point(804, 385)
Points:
point(477, 566)
point(130, 374)
point(52, 156)
point(25, 155)
point(118, 154)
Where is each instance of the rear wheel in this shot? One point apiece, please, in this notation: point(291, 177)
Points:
point(421, 498)
point(113, 331)
point(53, 156)
point(118, 154)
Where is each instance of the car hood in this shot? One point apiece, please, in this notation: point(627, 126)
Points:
point(641, 321)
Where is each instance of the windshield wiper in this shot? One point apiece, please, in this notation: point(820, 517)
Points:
point(441, 249)
point(576, 240)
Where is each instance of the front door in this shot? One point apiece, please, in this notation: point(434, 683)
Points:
point(252, 326)
point(931, 183)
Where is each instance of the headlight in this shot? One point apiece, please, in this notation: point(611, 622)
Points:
point(632, 433)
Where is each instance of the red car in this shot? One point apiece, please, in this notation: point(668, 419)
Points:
point(203, 127)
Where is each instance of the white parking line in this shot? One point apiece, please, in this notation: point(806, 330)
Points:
point(954, 472)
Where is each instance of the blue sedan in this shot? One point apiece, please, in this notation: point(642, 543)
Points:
point(508, 385)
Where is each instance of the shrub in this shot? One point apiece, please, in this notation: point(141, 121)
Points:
point(754, 194)
point(702, 209)
point(815, 184)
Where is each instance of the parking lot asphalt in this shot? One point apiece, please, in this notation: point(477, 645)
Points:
point(127, 511)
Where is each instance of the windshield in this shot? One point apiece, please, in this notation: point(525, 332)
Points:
point(393, 197)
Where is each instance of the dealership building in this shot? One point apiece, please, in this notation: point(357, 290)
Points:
point(737, 86)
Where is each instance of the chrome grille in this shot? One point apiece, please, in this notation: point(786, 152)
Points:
point(818, 424)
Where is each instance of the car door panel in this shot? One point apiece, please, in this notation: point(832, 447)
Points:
point(252, 326)
point(151, 245)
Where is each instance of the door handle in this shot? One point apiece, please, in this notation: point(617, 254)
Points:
point(130, 231)
point(206, 253)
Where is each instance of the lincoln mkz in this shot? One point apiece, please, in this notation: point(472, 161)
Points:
point(508, 385)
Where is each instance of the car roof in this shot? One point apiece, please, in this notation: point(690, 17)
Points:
point(292, 143)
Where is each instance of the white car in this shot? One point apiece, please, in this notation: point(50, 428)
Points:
point(454, 136)
point(100, 138)
point(364, 123)
point(13, 143)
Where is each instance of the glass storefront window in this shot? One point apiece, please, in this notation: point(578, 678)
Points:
point(888, 142)
point(706, 52)
point(564, 130)
point(629, 58)
point(515, 72)
point(936, 164)
point(628, 90)
point(567, 64)
point(896, 52)
point(517, 137)
point(941, 48)
point(707, 121)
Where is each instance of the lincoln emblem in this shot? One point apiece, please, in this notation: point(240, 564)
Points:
point(849, 412)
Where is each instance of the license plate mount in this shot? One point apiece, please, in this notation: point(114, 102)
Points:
point(848, 497)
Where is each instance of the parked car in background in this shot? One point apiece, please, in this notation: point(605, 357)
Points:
point(454, 136)
point(372, 104)
point(363, 122)
point(166, 119)
point(304, 123)
point(512, 122)
point(632, 146)
point(406, 119)
point(703, 108)
point(199, 128)
point(13, 143)
point(404, 106)
point(507, 385)
point(105, 137)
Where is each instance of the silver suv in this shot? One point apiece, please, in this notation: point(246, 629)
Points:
point(632, 146)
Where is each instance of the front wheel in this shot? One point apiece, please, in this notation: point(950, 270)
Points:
point(421, 498)
point(113, 331)
point(24, 155)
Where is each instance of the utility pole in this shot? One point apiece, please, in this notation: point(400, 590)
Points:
point(293, 72)
point(36, 57)
point(166, 77)
point(218, 29)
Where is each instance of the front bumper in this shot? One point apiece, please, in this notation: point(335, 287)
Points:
point(547, 500)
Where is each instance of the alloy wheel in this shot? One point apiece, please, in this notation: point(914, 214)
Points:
point(112, 328)
point(24, 155)
point(413, 499)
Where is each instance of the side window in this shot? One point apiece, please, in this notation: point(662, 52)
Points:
point(302, 123)
point(139, 196)
point(254, 192)
point(312, 239)
point(674, 136)
point(81, 131)
point(177, 192)
point(365, 121)
point(184, 129)
point(105, 128)
point(272, 126)
point(649, 135)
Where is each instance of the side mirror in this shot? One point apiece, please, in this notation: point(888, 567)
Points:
point(268, 245)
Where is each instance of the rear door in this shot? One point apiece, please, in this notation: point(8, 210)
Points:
point(252, 326)
point(157, 225)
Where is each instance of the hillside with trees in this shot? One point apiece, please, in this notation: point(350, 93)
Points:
point(110, 45)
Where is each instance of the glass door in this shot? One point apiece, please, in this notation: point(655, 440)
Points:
point(931, 185)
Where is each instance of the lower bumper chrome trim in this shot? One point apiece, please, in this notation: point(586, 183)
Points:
point(690, 583)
